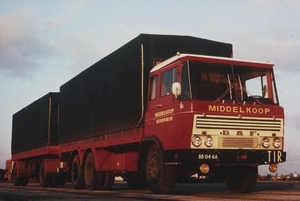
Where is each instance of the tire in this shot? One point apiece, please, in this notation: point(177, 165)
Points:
point(45, 179)
point(161, 179)
point(54, 180)
point(243, 180)
point(109, 179)
point(16, 180)
point(136, 180)
point(76, 173)
point(25, 181)
point(90, 173)
point(62, 179)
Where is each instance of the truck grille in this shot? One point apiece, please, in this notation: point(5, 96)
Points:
point(237, 142)
point(235, 123)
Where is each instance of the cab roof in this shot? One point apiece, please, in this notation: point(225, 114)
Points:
point(211, 59)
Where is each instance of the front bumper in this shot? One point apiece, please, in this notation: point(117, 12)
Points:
point(225, 157)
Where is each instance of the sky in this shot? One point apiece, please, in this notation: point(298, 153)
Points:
point(43, 44)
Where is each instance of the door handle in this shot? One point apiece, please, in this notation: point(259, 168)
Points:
point(158, 106)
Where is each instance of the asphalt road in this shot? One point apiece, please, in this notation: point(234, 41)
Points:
point(283, 190)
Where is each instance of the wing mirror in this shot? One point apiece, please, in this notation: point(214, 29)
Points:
point(264, 90)
point(176, 89)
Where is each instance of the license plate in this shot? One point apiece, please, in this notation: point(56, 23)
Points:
point(208, 156)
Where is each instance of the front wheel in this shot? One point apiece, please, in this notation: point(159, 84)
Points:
point(242, 180)
point(161, 179)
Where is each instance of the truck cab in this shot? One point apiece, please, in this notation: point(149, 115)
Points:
point(217, 118)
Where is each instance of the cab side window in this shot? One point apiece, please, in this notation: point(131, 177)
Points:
point(167, 79)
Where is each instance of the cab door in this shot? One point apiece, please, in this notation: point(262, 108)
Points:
point(162, 106)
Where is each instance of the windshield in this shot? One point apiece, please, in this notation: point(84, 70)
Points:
point(219, 82)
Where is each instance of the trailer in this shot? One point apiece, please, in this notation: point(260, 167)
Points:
point(166, 109)
point(34, 141)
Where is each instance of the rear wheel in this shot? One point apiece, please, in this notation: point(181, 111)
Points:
point(160, 178)
point(25, 181)
point(76, 173)
point(91, 176)
point(242, 180)
point(45, 179)
point(16, 180)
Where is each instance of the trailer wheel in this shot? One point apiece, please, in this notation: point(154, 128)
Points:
point(243, 180)
point(25, 181)
point(109, 179)
point(45, 179)
point(160, 178)
point(91, 176)
point(16, 180)
point(76, 173)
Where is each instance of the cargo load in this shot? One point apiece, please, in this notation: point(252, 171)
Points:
point(111, 95)
point(36, 125)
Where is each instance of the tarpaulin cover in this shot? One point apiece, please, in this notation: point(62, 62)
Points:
point(36, 125)
point(106, 97)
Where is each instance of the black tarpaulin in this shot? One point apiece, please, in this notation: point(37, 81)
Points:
point(106, 97)
point(36, 125)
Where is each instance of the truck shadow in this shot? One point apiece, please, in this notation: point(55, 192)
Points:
point(274, 185)
point(220, 187)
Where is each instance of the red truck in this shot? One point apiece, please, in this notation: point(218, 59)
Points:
point(158, 111)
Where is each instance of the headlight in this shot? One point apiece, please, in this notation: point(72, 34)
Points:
point(276, 142)
point(196, 141)
point(265, 142)
point(208, 141)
